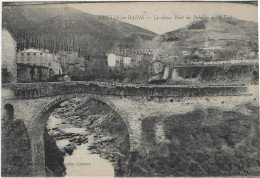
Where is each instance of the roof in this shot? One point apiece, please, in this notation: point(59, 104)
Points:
point(31, 50)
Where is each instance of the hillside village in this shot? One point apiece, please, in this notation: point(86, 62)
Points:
point(38, 65)
point(133, 55)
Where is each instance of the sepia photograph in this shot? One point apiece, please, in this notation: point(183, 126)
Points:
point(130, 89)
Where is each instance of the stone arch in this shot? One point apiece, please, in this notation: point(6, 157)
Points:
point(52, 105)
point(36, 128)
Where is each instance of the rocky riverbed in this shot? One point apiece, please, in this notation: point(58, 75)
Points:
point(96, 126)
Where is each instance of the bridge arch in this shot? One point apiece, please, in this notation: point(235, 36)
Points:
point(39, 120)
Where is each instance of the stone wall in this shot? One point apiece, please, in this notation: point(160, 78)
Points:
point(240, 73)
point(204, 142)
point(36, 90)
point(16, 150)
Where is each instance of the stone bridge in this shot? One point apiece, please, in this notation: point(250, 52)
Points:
point(32, 103)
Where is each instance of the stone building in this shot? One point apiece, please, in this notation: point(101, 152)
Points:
point(9, 46)
point(67, 56)
point(30, 73)
point(111, 60)
point(36, 57)
point(70, 59)
point(114, 60)
point(126, 61)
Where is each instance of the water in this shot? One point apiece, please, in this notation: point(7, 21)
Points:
point(62, 143)
point(53, 122)
point(81, 162)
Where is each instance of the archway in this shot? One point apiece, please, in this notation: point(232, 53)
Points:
point(7, 118)
point(8, 112)
point(36, 129)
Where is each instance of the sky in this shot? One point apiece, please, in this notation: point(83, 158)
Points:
point(159, 17)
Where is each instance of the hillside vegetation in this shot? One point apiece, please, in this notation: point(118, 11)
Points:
point(58, 27)
point(232, 34)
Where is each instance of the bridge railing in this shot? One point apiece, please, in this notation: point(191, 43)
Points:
point(35, 90)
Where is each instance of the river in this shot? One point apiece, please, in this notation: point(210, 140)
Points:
point(81, 162)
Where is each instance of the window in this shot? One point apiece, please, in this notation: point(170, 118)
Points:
point(28, 59)
point(40, 53)
point(49, 64)
point(34, 54)
point(28, 54)
point(22, 54)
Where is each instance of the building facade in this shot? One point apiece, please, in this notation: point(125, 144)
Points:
point(67, 56)
point(111, 60)
point(28, 73)
point(127, 61)
point(36, 57)
point(68, 59)
point(9, 46)
point(114, 60)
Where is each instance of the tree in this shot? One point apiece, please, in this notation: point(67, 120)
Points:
point(6, 75)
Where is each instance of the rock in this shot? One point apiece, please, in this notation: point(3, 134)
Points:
point(107, 139)
point(56, 134)
point(91, 147)
point(72, 139)
point(69, 134)
point(79, 140)
point(63, 152)
point(69, 149)
point(95, 136)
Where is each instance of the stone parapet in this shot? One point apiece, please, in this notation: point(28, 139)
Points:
point(37, 90)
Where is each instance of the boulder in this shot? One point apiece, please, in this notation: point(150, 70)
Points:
point(56, 134)
point(63, 152)
point(69, 149)
point(72, 139)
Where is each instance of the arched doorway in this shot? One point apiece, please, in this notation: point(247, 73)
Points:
point(37, 127)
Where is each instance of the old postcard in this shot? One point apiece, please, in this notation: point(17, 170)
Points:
point(116, 89)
